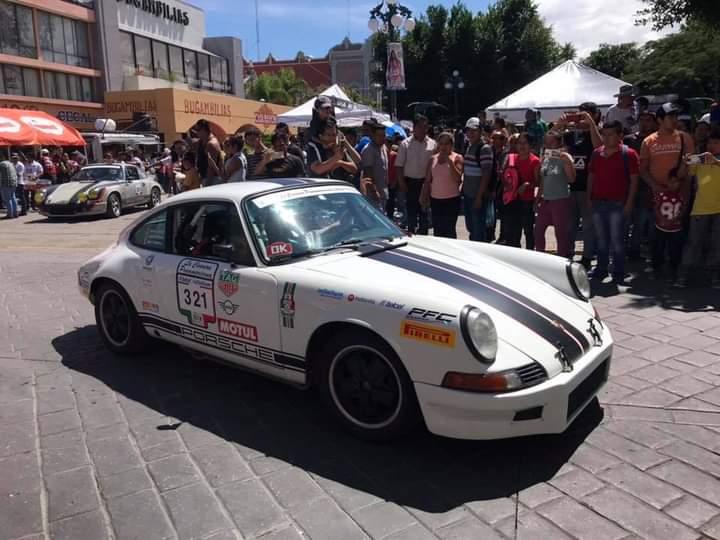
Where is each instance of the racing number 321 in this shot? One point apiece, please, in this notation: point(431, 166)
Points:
point(195, 298)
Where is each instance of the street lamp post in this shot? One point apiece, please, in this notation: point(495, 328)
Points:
point(389, 16)
point(378, 94)
point(455, 83)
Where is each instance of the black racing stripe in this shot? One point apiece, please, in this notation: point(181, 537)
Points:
point(525, 316)
point(567, 326)
point(294, 363)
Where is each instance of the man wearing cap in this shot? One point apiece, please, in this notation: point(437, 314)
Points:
point(624, 111)
point(662, 166)
point(582, 137)
point(322, 110)
point(536, 130)
point(48, 165)
point(476, 180)
point(412, 161)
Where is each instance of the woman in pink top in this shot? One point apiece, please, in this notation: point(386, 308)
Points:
point(441, 190)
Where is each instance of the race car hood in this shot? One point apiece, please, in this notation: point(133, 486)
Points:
point(529, 314)
point(64, 193)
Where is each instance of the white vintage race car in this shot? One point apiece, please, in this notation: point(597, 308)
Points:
point(304, 281)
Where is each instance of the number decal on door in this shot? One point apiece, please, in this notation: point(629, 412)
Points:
point(195, 294)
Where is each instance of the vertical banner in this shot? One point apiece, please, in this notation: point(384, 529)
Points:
point(395, 72)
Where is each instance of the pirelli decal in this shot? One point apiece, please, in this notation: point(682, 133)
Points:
point(435, 335)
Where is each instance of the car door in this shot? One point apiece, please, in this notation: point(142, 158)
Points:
point(213, 296)
point(135, 185)
point(149, 242)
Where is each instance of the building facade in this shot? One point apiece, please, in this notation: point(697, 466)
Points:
point(49, 61)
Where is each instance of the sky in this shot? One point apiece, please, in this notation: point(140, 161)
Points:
point(313, 26)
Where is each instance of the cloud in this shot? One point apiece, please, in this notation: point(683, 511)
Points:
point(587, 23)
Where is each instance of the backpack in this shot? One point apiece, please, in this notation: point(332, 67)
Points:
point(510, 179)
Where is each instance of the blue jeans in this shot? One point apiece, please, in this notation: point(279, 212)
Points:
point(8, 198)
point(643, 226)
point(609, 222)
point(475, 219)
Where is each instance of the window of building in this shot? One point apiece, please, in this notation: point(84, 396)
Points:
point(191, 65)
point(143, 56)
point(73, 87)
point(87, 88)
point(176, 63)
point(17, 35)
point(127, 56)
point(13, 80)
point(160, 58)
point(204, 69)
point(226, 76)
point(19, 81)
point(31, 82)
point(63, 40)
point(216, 73)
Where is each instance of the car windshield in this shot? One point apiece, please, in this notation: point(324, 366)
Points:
point(301, 222)
point(98, 174)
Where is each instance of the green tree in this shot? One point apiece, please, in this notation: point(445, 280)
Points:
point(282, 88)
point(567, 52)
point(664, 13)
point(614, 60)
point(685, 63)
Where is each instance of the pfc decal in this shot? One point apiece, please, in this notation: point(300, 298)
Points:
point(329, 293)
point(287, 305)
point(150, 307)
point(429, 316)
point(361, 299)
point(428, 334)
point(278, 249)
point(238, 330)
point(391, 305)
point(228, 307)
point(195, 292)
point(228, 283)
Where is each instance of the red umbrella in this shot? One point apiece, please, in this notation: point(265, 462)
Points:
point(35, 128)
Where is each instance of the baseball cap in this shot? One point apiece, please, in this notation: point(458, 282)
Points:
point(373, 124)
point(668, 108)
point(44, 152)
point(626, 90)
point(323, 102)
point(473, 123)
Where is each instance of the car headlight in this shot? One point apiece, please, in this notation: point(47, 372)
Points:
point(82, 197)
point(39, 196)
point(479, 333)
point(578, 278)
point(94, 193)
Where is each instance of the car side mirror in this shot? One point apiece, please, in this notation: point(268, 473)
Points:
point(223, 251)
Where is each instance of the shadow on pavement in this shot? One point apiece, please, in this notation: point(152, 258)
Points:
point(426, 472)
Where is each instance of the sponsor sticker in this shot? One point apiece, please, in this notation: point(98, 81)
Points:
point(281, 196)
point(195, 292)
point(147, 283)
point(228, 283)
point(228, 307)
point(278, 249)
point(361, 299)
point(238, 330)
point(430, 316)
point(148, 262)
point(329, 293)
point(391, 305)
point(287, 305)
point(428, 334)
point(150, 307)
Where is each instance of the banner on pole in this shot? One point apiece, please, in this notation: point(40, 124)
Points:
point(395, 72)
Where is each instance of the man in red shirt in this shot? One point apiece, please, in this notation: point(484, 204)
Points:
point(612, 186)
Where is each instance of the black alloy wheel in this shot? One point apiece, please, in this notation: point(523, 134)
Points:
point(114, 207)
point(118, 322)
point(154, 198)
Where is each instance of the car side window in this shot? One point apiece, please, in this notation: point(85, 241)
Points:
point(152, 233)
point(211, 231)
point(132, 173)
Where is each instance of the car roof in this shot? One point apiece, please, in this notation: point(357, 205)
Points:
point(241, 190)
point(104, 166)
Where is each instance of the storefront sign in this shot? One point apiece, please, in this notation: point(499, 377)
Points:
point(265, 116)
point(146, 105)
point(161, 9)
point(78, 118)
point(206, 108)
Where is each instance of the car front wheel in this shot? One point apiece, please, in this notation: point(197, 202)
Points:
point(118, 322)
point(154, 198)
point(114, 209)
point(366, 386)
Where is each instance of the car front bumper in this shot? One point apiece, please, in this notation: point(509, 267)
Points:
point(73, 210)
point(549, 407)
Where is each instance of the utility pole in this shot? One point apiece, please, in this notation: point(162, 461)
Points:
point(257, 30)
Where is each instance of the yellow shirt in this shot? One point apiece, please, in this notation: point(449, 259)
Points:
point(707, 199)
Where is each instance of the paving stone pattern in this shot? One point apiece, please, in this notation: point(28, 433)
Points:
point(164, 446)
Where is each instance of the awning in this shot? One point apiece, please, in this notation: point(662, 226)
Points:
point(35, 128)
point(347, 113)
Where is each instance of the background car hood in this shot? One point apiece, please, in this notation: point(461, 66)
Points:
point(63, 193)
point(531, 315)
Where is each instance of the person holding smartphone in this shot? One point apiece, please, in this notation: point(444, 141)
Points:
point(328, 154)
point(277, 162)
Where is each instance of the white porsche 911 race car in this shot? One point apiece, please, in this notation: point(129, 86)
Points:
point(304, 281)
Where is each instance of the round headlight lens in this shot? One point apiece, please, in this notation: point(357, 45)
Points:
point(481, 331)
point(94, 193)
point(581, 283)
point(82, 197)
point(39, 197)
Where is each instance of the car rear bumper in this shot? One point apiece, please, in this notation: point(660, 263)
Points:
point(549, 407)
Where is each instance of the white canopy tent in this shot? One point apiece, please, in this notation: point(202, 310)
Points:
point(558, 91)
point(347, 112)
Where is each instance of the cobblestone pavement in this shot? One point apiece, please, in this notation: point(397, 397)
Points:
point(164, 446)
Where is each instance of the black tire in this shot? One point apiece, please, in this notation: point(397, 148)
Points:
point(118, 322)
point(366, 387)
point(114, 206)
point(155, 198)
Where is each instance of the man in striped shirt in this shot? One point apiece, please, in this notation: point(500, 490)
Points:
point(253, 139)
point(478, 170)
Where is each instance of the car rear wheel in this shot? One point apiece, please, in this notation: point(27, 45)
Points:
point(114, 208)
point(154, 198)
point(118, 322)
point(366, 386)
